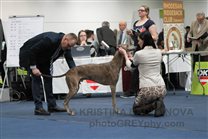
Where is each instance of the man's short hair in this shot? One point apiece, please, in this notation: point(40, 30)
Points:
point(200, 14)
point(187, 27)
point(105, 24)
point(72, 35)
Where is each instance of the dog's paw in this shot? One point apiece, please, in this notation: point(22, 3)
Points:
point(71, 113)
point(117, 110)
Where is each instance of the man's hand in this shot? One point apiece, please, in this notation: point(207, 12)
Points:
point(129, 32)
point(36, 72)
point(188, 39)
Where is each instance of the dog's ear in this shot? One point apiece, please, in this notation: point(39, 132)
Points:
point(124, 46)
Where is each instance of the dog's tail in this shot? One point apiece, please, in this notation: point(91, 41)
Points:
point(49, 76)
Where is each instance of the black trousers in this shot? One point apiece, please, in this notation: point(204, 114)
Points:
point(134, 81)
point(37, 89)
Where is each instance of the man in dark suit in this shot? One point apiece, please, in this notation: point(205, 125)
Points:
point(2, 51)
point(105, 34)
point(38, 54)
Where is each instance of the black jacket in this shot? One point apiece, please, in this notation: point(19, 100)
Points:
point(40, 49)
point(107, 35)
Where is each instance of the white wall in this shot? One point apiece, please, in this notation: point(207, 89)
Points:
point(74, 15)
point(192, 7)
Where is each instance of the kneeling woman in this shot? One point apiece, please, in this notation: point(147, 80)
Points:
point(152, 87)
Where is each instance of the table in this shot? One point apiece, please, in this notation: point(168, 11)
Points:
point(87, 86)
point(180, 61)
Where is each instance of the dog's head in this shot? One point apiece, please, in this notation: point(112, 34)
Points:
point(125, 47)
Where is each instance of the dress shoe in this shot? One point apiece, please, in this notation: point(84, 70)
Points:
point(160, 108)
point(41, 111)
point(56, 109)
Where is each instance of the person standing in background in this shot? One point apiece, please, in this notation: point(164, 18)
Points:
point(198, 34)
point(124, 38)
point(160, 40)
point(107, 35)
point(141, 25)
point(187, 44)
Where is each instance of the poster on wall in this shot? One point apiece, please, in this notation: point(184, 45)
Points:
point(174, 36)
point(173, 19)
point(18, 30)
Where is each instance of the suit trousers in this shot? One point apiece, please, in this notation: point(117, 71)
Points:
point(37, 88)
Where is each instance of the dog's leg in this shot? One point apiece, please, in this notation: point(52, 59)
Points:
point(73, 86)
point(66, 101)
point(113, 92)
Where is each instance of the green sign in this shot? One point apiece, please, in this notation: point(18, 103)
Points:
point(200, 79)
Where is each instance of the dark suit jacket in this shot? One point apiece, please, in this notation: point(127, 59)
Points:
point(40, 49)
point(1, 33)
point(107, 35)
point(1, 40)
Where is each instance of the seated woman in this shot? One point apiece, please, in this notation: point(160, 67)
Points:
point(82, 38)
point(82, 41)
point(152, 87)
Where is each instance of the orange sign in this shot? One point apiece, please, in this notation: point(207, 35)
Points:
point(173, 11)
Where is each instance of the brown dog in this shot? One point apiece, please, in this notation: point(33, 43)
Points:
point(105, 73)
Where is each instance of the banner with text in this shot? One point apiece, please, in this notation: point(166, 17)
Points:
point(173, 20)
point(200, 79)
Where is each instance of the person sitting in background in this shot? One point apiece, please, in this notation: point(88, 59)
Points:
point(90, 36)
point(152, 87)
point(82, 41)
point(105, 34)
point(91, 40)
point(82, 38)
point(160, 45)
